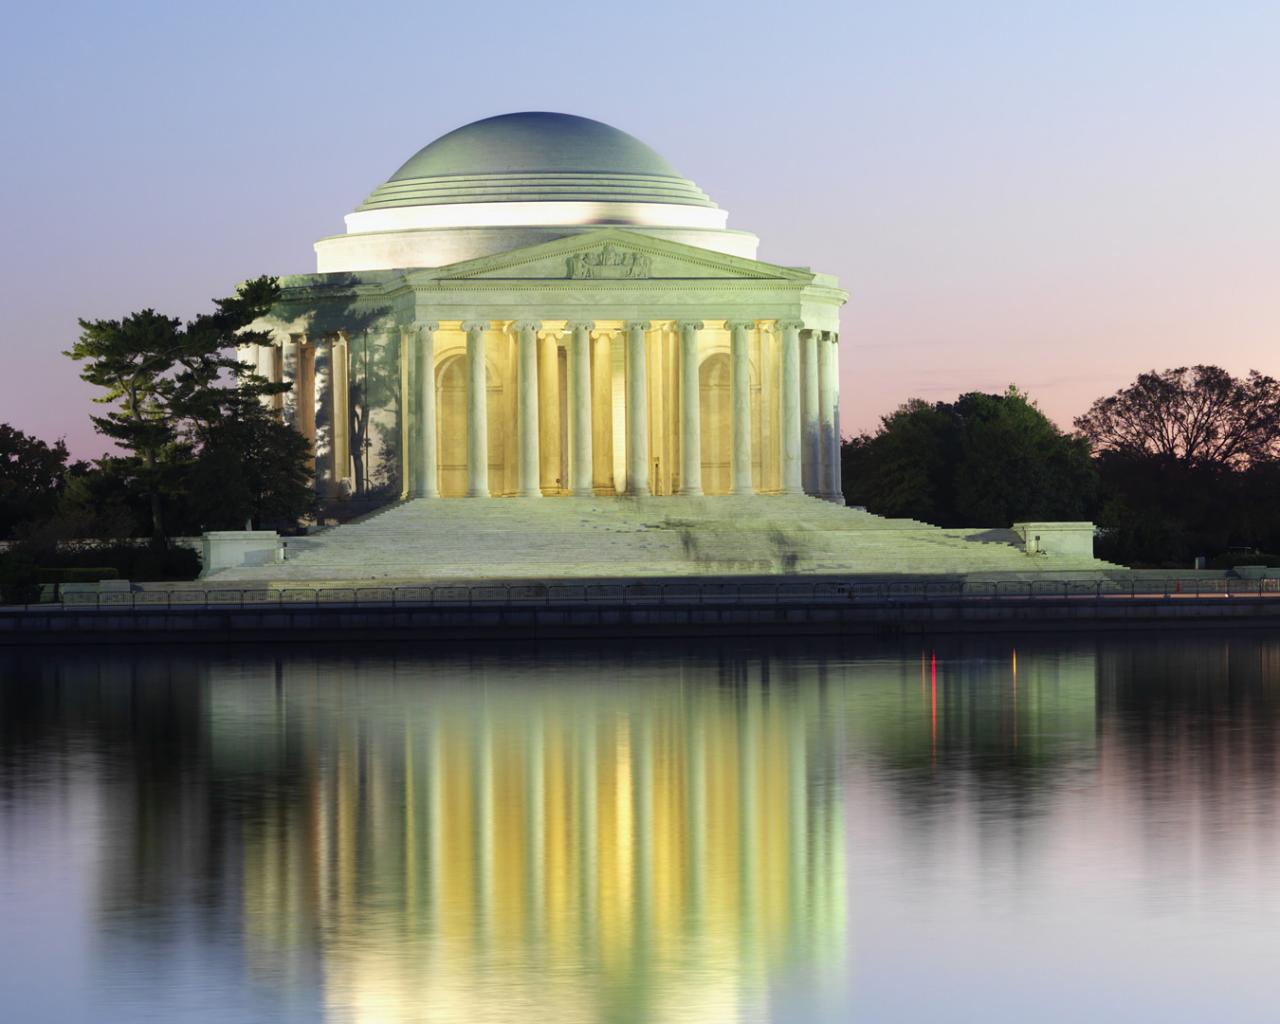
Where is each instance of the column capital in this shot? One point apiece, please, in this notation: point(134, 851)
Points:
point(745, 325)
point(605, 332)
point(689, 325)
point(638, 325)
point(526, 325)
point(475, 326)
point(430, 326)
point(790, 325)
point(580, 325)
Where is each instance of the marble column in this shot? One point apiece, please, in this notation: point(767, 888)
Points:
point(836, 493)
point(637, 410)
point(580, 468)
point(602, 410)
point(810, 440)
point(530, 485)
point(792, 471)
point(740, 396)
point(404, 349)
point(290, 356)
point(477, 412)
point(342, 409)
point(428, 477)
point(690, 413)
point(549, 419)
point(826, 414)
point(322, 413)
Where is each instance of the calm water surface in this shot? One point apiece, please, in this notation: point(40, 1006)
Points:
point(1053, 830)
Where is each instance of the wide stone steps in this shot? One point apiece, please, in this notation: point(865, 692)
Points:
point(579, 537)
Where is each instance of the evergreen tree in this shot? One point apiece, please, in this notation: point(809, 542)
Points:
point(176, 390)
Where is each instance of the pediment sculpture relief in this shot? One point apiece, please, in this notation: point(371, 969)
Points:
point(609, 263)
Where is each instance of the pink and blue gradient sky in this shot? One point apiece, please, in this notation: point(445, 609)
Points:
point(1053, 194)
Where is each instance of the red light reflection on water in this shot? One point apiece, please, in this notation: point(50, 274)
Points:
point(933, 703)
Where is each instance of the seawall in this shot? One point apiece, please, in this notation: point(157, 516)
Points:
point(600, 617)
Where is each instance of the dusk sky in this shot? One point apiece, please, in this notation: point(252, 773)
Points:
point(1058, 195)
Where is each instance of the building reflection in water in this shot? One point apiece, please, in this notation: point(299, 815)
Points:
point(466, 842)
point(698, 834)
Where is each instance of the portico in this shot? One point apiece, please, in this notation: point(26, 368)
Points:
point(731, 439)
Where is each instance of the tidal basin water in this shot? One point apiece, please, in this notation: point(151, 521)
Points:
point(1047, 830)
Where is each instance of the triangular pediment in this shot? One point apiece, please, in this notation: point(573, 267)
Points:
point(612, 254)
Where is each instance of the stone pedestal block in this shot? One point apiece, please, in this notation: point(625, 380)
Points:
point(1057, 540)
point(228, 549)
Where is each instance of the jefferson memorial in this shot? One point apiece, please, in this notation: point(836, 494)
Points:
point(539, 304)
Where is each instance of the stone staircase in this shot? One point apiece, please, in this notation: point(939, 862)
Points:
point(512, 538)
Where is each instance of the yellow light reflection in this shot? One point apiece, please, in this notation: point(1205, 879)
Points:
point(566, 855)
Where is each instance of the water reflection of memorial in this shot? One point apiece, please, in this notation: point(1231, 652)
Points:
point(551, 839)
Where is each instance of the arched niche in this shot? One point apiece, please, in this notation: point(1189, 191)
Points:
point(451, 426)
point(715, 399)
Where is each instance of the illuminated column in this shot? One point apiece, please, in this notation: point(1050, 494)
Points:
point(530, 486)
point(428, 483)
point(549, 420)
point(809, 438)
point(477, 412)
point(826, 415)
point(740, 394)
point(602, 410)
point(580, 468)
point(690, 421)
point(637, 410)
point(791, 465)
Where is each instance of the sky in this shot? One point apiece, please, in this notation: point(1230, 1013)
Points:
point(1057, 195)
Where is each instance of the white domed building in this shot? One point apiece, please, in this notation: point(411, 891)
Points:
point(529, 306)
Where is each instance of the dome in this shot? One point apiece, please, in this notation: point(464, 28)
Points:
point(535, 156)
point(518, 180)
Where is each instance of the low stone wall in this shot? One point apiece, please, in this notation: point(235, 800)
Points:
point(232, 549)
point(1057, 540)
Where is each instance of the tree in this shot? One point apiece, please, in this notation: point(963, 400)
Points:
point(1194, 416)
point(32, 477)
point(252, 469)
point(172, 388)
point(902, 470)
point(982, 460)
point(1189, 459)
point(1015, 464)
point(133, 360)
